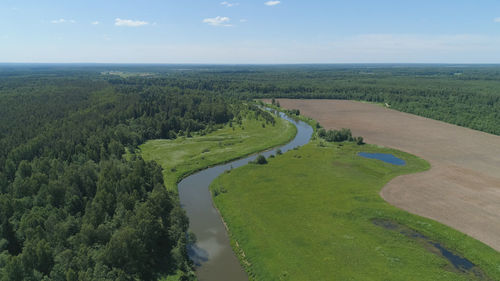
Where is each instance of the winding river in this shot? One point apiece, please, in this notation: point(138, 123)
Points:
point(212, 253)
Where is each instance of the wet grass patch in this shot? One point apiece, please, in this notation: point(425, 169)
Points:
point(457, 263)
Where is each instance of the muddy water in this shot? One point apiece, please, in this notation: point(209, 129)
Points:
point(212, 253)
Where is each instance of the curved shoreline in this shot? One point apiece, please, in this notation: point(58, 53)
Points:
point(189, 173)
point(213, 254)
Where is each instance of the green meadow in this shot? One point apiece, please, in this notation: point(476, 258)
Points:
point(309, 215)
point(185, 155)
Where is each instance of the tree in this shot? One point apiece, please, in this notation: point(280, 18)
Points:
point(261, 160)
point(126, 252)
point(24, 169)
point(321, 133)
point(115, 148)
point(13, 271)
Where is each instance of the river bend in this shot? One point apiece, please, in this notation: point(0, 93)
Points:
point(212, 254)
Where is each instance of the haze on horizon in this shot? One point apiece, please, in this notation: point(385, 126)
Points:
point(249, 32)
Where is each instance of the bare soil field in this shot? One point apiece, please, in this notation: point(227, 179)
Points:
point(462, 188)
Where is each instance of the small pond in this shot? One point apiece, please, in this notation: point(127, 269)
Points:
point(386, 157)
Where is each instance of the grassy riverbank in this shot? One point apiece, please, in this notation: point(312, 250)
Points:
point(184, 156)
point(308, 215)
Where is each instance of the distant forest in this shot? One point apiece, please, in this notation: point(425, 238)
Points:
point(72, 207)
point(467, 95)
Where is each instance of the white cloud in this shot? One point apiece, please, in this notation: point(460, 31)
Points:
point(272, 3)
point(218, 21)
point(95, 23)
point(61, 20)
point(229, 4)
point(131, 23)
point(497, 19)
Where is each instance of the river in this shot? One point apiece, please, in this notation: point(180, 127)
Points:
point(212, 254)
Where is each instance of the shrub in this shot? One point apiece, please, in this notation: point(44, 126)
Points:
point(261, 160)
point(321, 133)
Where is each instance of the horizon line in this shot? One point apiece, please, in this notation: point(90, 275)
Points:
point(251, 64)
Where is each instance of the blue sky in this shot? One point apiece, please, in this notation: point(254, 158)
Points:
point(244, 31)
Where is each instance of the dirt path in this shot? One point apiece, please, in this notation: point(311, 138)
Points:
point(462, 189)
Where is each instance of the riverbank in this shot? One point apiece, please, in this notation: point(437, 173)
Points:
point(313, 213)
point(184, 156)
point(212, 253)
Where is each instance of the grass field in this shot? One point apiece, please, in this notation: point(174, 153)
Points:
point(183, 156)
point(461, 189)
point(308, 215)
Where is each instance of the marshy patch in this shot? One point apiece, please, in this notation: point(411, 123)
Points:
point(457, 263)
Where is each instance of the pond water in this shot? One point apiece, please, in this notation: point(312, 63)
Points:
point(212, 254)
point(386, 157)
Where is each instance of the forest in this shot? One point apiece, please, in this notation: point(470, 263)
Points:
point(72, 207)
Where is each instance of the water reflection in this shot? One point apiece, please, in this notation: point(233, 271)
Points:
point(212, 253)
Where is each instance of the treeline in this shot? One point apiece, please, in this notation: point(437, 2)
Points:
point(341, 135)
point(468, 96)
point(71, 206)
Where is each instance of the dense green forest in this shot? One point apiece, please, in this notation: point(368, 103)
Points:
point(73, 208)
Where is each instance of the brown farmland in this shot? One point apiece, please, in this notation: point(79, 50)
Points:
point(462, 188)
